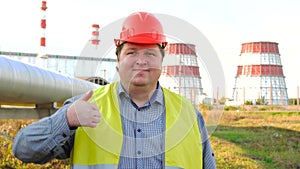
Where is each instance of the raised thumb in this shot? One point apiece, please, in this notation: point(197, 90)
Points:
point(87, 96)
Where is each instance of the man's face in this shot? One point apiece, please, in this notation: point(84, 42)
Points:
point(139, 65)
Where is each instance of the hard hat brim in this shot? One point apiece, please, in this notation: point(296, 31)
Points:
point(140, 40)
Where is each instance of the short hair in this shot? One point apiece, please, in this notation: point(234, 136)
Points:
point(120, 47)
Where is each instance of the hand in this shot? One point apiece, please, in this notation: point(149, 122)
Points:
point(83, 113)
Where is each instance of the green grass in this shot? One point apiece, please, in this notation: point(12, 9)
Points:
point(257, 140)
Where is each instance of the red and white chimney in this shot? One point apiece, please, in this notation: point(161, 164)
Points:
point(95, 35)
point(42, 53)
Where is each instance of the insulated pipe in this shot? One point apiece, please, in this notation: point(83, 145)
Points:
point(28, 84)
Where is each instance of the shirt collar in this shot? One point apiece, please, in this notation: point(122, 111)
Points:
point(156, 97)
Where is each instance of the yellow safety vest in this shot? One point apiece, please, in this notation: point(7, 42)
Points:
point(100, 147)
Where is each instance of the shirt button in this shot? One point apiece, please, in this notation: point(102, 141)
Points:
point(139, 152)
point(139, 130)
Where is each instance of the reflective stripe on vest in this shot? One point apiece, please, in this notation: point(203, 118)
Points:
point(106, 166)
point(98, 166)
point(101, 146)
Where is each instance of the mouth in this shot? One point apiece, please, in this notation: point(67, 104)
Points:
point(141, 70)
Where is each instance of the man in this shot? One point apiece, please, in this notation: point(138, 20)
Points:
point(134, 123)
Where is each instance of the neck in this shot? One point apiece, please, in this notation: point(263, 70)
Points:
point(140, 94)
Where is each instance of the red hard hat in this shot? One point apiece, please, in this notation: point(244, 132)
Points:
point(142, 27)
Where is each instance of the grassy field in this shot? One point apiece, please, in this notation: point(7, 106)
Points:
point(241, 140)
point(257, 140)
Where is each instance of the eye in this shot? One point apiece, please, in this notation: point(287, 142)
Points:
point(150, 54)
point(131, 53)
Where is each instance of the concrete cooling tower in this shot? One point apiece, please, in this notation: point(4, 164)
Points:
point(259, 77)
point(180, 71)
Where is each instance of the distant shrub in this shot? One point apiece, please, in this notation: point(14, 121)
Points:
point(248, 102)
point(230, 108)
point(293, 101)
point(262, 109)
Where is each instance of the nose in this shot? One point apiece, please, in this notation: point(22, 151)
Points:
point(141, 60)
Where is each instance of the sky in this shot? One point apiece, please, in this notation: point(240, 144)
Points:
point(225, 23)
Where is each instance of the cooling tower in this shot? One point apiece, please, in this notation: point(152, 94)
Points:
point(180, 71)
point(259, 77)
